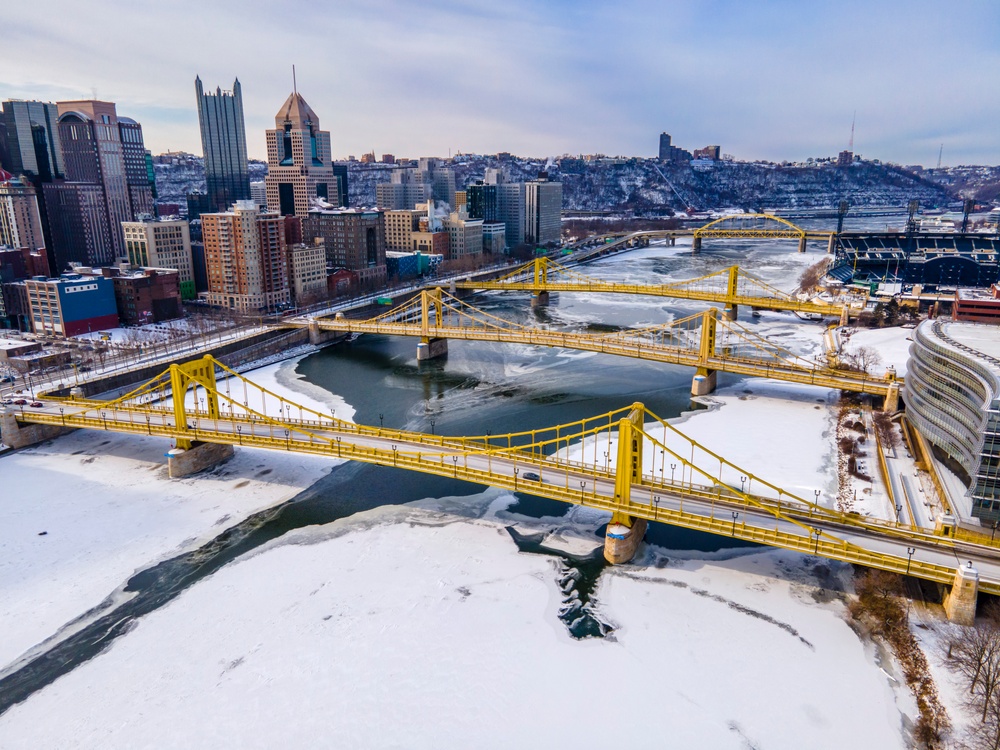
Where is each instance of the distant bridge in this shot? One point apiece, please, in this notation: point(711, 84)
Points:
point(758, 226)
point(732, 287)
point(702, 341)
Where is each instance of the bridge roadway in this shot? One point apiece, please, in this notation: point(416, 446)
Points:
point(712, 508)
point(674, 291)
point(619, 344)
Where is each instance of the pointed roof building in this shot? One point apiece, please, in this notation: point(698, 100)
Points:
point(299, 162)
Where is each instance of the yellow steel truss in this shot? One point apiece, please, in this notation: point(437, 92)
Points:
point(701, 341)
point(733, 287)
point(188, 404)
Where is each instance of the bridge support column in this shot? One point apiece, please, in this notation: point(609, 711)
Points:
point(802, 244)
point(891, 405)
point(540, 299)
point(704, 382)
point(696, 245)
point(831, 246)
point(845, 317)
point(431, 348)
point(22, 435)
point(200, 456)
point(671, 241)
point(622, 538)
point(319, 337)
point(960, 602)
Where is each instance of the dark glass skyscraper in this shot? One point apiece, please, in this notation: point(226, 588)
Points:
point(224, 143)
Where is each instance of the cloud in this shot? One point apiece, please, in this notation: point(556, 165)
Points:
point(776, 80)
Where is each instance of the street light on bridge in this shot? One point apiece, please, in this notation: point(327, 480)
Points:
point(909, 558)
point(736, 514)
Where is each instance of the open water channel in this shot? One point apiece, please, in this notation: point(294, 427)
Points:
point(479, 387)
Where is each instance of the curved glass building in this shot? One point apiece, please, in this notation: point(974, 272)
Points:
point(953, 398)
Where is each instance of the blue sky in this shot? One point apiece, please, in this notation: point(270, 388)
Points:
point(765, 80)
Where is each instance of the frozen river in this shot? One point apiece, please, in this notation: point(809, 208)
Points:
point(379, 608)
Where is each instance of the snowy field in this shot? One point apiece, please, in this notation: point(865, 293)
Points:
point(83, 513)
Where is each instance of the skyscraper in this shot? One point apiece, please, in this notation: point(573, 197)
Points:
point(224, 143)
point(100, 150)
point(33, 139)
point(665, 145)
point(299, 165)
point(20, 221)
point(542, 211)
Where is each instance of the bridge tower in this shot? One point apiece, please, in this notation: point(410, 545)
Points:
point(431, 347)
point(190, 456)
point(540, 295)
point(705, 378)
point(732, 285)
point(624, 532)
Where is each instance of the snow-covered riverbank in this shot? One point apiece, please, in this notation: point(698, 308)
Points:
point(83, 513)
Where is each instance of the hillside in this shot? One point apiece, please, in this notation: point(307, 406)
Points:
point(648, 187)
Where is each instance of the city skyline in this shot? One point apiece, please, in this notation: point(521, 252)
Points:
point(776, 82)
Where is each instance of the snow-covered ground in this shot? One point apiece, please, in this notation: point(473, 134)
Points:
point(411, 627)
point(81, 514)
point(892, 345)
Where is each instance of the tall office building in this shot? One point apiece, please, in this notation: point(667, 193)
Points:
point(510, 211)
point(224, 144)
point(32, 139)
point(246, 259)
point(542, 211)
point(354, 239)
point(299, 165)
point(340, 171)
point(165, 243)
point(665, 146)
point(407, 187)
point(481, 201)
point(20, 220)
point(99, 150)
point(137, 171)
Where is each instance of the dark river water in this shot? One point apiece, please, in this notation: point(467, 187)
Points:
point(479, 387)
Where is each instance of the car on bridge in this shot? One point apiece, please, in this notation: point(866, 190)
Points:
point(532, 476)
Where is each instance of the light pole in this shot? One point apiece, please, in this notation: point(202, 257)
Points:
point(817, 532)
point(606, 460)
point(239, 433)
point(736, 514)
point(149, 429)
point(909, 558)
point(454, 460)
point(516, 472)
point(816, 494)
point(899, 509)
point(380, 420)
point(673, 467)
point(743, 482)
point(394, 448)
point(63, 417)
point(656, 507)
point(288, 445)
point(338, 446)
point(583, 490)
point(433, 422)
point(104, 416)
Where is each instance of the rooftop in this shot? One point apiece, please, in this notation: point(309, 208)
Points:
point(980, 340)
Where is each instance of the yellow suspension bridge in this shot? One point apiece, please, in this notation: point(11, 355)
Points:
point(628, 462)
point(731, 287)
point(703, 341)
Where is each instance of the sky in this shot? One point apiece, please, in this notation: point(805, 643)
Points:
point(776, 80)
